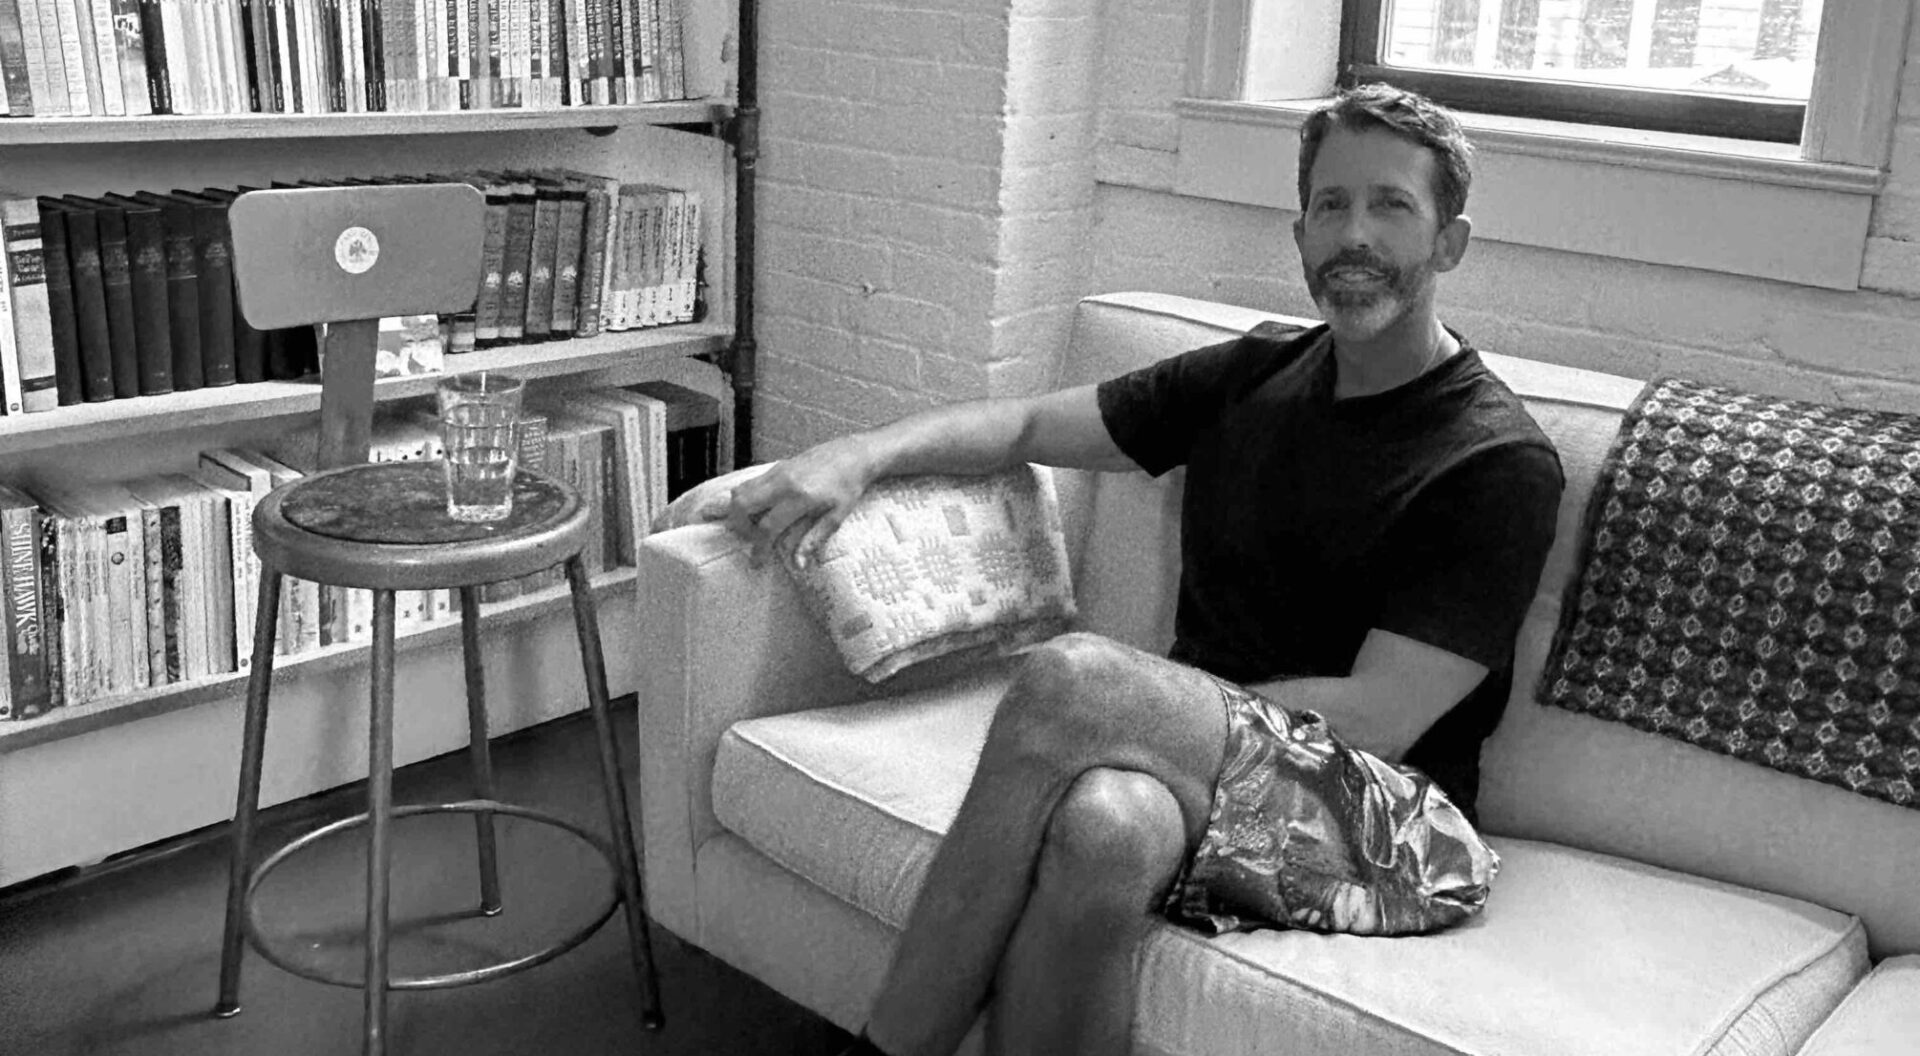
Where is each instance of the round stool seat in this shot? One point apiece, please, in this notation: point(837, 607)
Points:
point(384, 526)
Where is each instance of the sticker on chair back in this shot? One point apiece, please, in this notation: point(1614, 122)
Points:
point(356, 250)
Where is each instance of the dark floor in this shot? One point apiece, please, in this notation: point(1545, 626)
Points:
point(125, 959)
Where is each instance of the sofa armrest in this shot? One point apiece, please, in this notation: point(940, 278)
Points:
point(718, 642)
point(1880, 1016)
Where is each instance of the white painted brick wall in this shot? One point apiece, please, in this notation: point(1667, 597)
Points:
point(928, 191)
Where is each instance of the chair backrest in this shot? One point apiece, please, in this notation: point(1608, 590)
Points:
point(342, 258)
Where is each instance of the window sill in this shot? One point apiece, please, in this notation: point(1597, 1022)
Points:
point(1722, 205)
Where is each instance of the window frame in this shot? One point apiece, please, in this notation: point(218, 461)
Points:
point(1799, 213)
point(1281, 51)
point(1362, 31)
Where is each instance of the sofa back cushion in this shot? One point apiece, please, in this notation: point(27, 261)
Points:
point(1546, 773)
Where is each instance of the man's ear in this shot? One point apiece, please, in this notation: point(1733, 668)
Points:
point(1299, 230)
point(1451, 244)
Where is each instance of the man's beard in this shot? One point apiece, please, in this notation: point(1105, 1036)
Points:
point(1365, 312)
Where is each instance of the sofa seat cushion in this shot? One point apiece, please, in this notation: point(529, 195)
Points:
point(1576, 952)
point(1881, 1015)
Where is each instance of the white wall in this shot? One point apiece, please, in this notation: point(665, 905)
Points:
point(939, 185)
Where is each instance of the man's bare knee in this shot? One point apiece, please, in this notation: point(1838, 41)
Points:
point(1120, 830)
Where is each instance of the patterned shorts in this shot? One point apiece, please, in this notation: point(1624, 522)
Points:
point(1309, 832)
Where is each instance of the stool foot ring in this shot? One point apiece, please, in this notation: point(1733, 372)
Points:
point(451, 979)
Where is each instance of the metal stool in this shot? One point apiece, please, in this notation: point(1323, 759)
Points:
point(383, 527)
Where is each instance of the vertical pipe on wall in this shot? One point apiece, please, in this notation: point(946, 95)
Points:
point(746, 151)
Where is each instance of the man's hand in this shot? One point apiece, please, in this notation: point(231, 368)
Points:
point(796, 505)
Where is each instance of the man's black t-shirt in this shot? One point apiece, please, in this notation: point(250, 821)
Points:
point(1426, 510)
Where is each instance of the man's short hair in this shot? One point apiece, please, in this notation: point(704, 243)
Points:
point(1406, 114)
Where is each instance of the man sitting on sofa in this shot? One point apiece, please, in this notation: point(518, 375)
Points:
point(1367, 511)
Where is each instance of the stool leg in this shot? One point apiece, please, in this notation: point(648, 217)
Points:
point(627, 862)
point(380, 812)
point(253, 744)
point(478, 753)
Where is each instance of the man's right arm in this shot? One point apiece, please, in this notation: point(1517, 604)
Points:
point(801, 500)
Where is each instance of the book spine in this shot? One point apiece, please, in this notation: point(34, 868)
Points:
point(221, 603)
point(129, 36)
point(183, 298)
point(10, 398)
point(566, 265)
point(493, 246)
point(282, 21)
point(62, 326)
point(123, 571)
point(116, 276)
point(516, 265)
point(106, 49)
point(194, 546)
point(593, 251)
point(33, 55)
point(256, 67)
point(28, 688)
point(53, 609)
point(16, 84)
point(53, 52)
point(175, 61)
point(246, 579)
point(649, 50)
point(31, 304)
point(379, 81)
point(86, 12)
point(213, 257)
point(72, 56)
point(154, 43)
point(90, 304)
point(692, 234)
point(155, 570)
point(538, 325)
point(153, 324)
point(577, 65)
point(172, 588)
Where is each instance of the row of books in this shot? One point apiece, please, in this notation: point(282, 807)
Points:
point(124, 295)
point(109, 589)
point(131, 58)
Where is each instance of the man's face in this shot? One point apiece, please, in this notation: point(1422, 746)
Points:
point(1371, 240)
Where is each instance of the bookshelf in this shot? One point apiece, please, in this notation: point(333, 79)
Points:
point(88, 782)
point(498, 618)
point(631, 351)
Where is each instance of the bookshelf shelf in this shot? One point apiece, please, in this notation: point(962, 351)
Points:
point(73, 721)
point(19, 131)
point(145, 415)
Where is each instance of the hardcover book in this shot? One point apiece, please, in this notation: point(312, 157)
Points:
point(89, 298)
point(183, 289)
point(116, 283)
point(27, 340)
point(146, 251)
point(70, 373)
point(28, 691)
point(16, 87)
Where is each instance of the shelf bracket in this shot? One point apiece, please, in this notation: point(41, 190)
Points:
point(742, 130)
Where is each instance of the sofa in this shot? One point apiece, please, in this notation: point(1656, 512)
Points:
point(1653, 897)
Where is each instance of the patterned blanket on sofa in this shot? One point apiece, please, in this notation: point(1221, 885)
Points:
point(1750, 584)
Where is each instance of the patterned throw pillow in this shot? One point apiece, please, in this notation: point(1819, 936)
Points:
point(925, 566)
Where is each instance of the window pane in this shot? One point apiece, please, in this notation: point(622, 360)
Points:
point(1756, 48)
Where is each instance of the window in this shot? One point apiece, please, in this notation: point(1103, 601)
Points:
point(1742, 69)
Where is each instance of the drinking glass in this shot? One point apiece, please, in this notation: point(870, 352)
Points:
point(477, 416)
